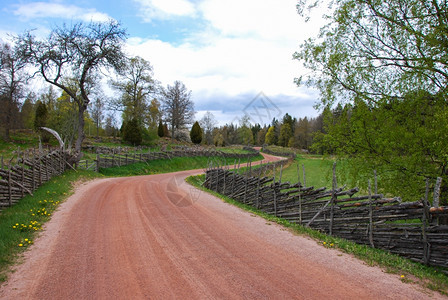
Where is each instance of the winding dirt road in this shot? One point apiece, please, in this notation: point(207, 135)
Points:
point(156, 237)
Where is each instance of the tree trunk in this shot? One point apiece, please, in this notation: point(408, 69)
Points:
point(81, 134)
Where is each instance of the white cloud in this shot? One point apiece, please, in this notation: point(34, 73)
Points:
point(247, 48)
point(36, 10)
point(267, 19)
point(165, 9)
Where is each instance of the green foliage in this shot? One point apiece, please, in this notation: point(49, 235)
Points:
point(271, 137)
point(245, 135)
point(387, 61)
point(285, 135)
point(40, 120)
point(196, 133)
point(132, 132)
point(413, 146)
point(378, 49)
point(27, 113)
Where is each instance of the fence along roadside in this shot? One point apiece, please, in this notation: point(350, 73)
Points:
point(416, 230)
point(32, 168)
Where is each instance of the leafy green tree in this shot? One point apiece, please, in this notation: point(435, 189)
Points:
point(285, 135)
point(132, 132)
point(378, 49)
point(137, 85)
point(387, 61)
point(196, 133)
point(271, 138)
point(245, 135)
point(302, 135)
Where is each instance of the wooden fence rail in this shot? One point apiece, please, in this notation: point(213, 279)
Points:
point(28, 173)
point(410, 229)
point(108, 159)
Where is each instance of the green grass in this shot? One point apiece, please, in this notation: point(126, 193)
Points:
point(428, 277)
point(15, 230)
point(23, 139)
point(165, 166)
point(318, 171)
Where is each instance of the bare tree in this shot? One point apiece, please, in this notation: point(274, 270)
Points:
point(177, 106)
point(208, 122)
point(77, 53)
point(12, 80)
point(97, 112)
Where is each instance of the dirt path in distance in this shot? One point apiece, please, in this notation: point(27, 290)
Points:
point(156, 237)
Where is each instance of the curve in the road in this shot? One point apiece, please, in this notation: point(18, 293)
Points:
point(156, 237)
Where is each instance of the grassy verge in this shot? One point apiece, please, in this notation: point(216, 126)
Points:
point(428, 277)
point(164, 166)
point(21, 223)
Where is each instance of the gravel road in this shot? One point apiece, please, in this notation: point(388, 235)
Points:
point(156, 237)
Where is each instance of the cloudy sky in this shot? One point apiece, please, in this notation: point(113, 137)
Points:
point(235, 55)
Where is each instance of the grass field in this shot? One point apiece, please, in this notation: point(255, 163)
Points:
point(318, 171)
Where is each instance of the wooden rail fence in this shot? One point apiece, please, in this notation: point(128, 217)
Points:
point(124, 157)
point(411, 229)
point(30, 171)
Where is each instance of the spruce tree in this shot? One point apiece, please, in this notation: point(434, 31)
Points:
point(132, 133)
point(196, 133)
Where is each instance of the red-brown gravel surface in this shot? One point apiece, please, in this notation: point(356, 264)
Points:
point(156, 237)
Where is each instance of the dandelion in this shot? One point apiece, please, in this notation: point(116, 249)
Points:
point(325, 243)
point(20, 245)
point(26, 240)
point(402, 276)
point(331, 245)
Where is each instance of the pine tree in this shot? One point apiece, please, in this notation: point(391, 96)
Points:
point(196, 133)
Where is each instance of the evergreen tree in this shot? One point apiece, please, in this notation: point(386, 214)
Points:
point(196, 133)
point(40, 120)
point(160, 131)
point(132, 132)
